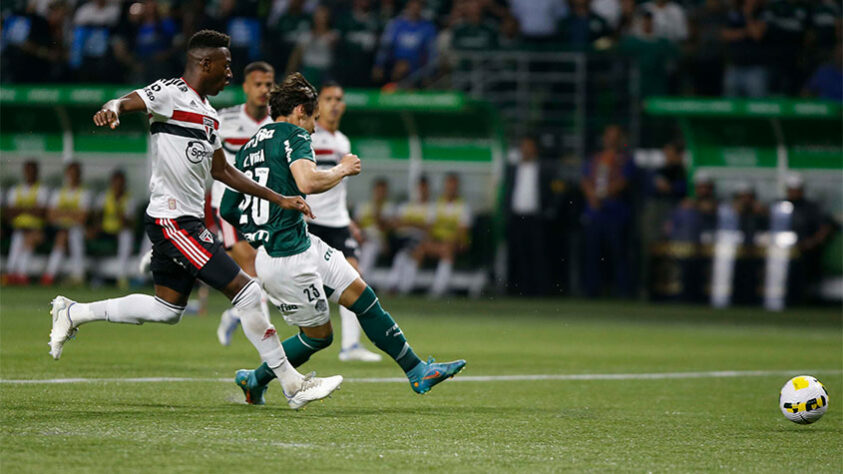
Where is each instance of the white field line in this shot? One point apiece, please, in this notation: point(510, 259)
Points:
point(462, 378)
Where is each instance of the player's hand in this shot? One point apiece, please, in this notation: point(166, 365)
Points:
point(352, 164)
point(106, 117)
point(296, 203)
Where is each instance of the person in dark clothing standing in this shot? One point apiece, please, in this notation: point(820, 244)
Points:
point(526, 256)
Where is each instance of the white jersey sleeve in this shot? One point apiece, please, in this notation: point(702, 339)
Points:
point(158, 99)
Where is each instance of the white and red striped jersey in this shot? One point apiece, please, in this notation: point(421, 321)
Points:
point(330, 207)
point(184, 129)
point(236, 128)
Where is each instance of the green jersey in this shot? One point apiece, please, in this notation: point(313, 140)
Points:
point(266, 158)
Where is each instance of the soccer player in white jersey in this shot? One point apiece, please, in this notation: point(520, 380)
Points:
point(237, 125)
point(332, 223)
point(186, 151)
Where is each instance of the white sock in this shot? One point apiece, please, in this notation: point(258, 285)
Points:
point(350, 328)
point(55, 261)
point(130, 309)
point(408, 276)
point(396, 270)
point(261, 333)
point(76, 246)
point(441, 278)
point(124, 250)
point(24, 259)
point(14, 252)
point(368, 256)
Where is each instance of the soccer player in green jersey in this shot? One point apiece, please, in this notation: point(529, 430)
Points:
point(298, 270)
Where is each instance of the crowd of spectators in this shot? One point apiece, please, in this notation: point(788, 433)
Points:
point(70, 221)
point(750, 48)
point(628, 217)
point(67, 221)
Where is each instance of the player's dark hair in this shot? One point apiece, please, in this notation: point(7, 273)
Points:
point(380, 181)
point(208, 39)
point(31, 162)
point(118, 173)
point(329, 84)
point(261, 66)
point(292, 92)
point(422, 180)
point(73, 164)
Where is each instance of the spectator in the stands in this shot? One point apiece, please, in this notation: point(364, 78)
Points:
point(705, 48)
point(314, 53)
point(407, 45)
point(239, 20)
point(145, 42)
point(113, 222)
point(34, 45)
point(814, 230)
point(374, 219)
point(752, 214)
point(609, 10)
point(359, 31)
point(826, 24)
point(655, 56)
point(284, 34)
point(26, 206)
point(582, 27)
point(746, 73)
point(411, 224)
point(67, 215)
point(448, 236)
point(694, 215)
point(787, 25)
point(665, 188)
point(510, 34)
point(525, 202)
point(669, 20)
point(539, 19)
point(474, 33)
point(91, 54)
point(827, 80)
point(605, 183)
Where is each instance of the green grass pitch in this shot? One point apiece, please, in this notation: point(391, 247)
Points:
point(626, 424)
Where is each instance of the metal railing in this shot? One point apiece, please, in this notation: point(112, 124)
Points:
point(566, 96)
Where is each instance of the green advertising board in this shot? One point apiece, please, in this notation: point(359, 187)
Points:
point(440, 126)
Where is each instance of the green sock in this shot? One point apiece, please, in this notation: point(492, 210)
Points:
point(382, 330)
point(299, 348)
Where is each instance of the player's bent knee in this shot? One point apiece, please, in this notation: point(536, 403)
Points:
point(166, 313)
point(248, 297)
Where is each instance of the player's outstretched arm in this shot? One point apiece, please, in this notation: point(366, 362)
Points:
point(311, 180)
point(222, 171)
point(110, 112)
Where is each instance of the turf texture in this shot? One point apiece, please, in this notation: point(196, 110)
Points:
point(704, 423)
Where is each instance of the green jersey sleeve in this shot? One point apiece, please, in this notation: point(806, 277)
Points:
point(297, 147)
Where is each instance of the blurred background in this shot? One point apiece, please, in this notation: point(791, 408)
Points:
point(687, 150)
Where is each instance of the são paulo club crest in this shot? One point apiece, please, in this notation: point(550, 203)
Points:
point(209, 126)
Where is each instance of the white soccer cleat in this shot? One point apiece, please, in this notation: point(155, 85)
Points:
point(313, 388)
point(228, 324)
point(62, 325)
point(145, 263)
point(360, 354)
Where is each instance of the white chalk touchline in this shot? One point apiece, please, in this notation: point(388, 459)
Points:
point(461, 378)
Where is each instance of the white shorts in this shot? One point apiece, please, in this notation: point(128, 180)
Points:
point(297, 285)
